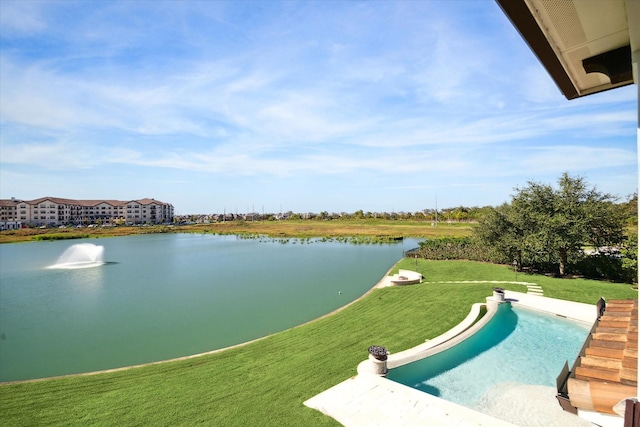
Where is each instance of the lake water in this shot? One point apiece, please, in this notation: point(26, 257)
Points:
point(169, 295)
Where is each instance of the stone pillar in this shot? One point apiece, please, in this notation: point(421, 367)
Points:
point(378, 360)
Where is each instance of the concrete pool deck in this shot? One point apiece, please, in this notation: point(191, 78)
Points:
point(371, 400)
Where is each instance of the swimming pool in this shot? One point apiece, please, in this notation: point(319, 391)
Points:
point(517, 345)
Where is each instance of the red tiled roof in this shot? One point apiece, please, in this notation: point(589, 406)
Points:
point(88, 203)
point(148, 201)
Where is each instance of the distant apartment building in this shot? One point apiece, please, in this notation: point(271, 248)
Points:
point(55, 211)
point(8, 215)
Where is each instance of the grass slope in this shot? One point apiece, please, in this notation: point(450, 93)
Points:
point(267, 381)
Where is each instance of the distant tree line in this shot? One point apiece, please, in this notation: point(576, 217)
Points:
point(447, 215)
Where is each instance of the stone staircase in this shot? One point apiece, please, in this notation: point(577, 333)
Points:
point(533, 289)
point(612, 354)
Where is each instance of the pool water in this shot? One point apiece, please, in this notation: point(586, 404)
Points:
point(517, 345)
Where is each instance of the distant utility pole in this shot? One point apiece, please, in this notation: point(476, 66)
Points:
point(436, 209)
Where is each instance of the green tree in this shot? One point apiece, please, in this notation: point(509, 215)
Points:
point(629, 252)
point(499, 229)
point(547, 225)
point(631, 209)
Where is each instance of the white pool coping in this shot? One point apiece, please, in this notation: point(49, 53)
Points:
point(371, 400)
point(573, 310)
point(455, 335)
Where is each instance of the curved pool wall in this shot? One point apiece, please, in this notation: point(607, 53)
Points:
point(165, 296)
point(517, 344)
point(465, 329)
point(470, 325)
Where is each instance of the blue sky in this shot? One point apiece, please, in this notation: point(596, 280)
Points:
point(301, 106)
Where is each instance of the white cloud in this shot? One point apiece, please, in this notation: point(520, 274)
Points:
point(288, 91)
point(572, 158)
point(537, 86)
point(21, 17)
point(50, 156)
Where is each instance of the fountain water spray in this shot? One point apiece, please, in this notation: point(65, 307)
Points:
point(81, 255)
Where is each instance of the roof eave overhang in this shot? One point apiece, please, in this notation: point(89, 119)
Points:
point(538, 39)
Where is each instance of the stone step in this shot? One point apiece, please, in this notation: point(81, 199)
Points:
point(605, 352)
point(608, 344)
point(624, 318)
point(625, 314)
point(600, 362)
point(630, 362)
point(618, 302)
point(605, 336)
point(587, 372)
point(619, 307)
point(611, 330)
point(613, 324)
point(629, 376)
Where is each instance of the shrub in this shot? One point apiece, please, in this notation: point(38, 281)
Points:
point(449, 248)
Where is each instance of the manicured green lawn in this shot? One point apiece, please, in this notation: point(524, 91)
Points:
point(266, 382)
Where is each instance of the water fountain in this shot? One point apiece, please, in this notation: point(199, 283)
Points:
point(81, 255)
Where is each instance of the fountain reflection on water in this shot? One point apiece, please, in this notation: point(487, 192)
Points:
point(81, 255)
